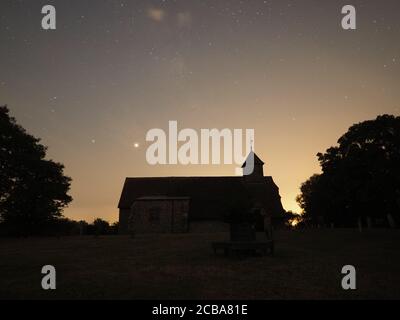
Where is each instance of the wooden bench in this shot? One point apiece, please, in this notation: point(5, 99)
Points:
point(242, 246)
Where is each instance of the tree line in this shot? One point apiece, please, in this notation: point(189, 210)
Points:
point(360, 179)
point(67, 227)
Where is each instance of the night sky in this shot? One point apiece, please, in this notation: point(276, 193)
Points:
point(112, 70)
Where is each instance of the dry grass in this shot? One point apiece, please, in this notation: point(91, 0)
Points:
point(307, 265)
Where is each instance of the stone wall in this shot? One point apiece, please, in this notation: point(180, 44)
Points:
point(159, 216)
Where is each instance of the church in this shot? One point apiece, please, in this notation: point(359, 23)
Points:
point(195, 204)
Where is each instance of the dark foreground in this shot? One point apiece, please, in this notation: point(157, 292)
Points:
point(306, 265)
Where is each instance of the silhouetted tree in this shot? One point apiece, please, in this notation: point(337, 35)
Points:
point(33, 190)
point(114, 228)
point(360, 177)
point(101, 226)
point(316, 200)
point(64, 227)
point(292, 219)
point(83, 227)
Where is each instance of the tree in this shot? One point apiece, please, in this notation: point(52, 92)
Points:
point(360, 177)
point(114, 228)
point(317, 201)
point(33, 190)
point(292, 219)
point(101, 227)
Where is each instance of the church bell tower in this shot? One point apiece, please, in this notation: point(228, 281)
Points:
point(253, 168)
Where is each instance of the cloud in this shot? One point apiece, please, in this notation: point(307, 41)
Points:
point(156, 14)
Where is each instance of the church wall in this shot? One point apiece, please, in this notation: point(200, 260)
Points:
point(181, 210)
point(159, 216)
point(123, 220)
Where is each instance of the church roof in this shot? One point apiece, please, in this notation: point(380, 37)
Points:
point(209, 196)
point(257, 160)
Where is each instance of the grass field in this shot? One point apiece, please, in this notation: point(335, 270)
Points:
point(307, 265)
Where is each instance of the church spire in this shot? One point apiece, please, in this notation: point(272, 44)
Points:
point(254, 157)
point(253, 168)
